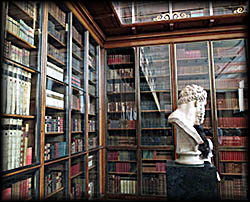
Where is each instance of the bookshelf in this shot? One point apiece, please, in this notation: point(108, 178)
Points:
point(155, 106)
point(231, 85)
point(121, 138)
point(20, 81)
point(50, 76)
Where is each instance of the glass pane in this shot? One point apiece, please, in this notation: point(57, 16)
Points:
point(229, 7)
point(121, 122)
point(78, 179)
point(20, 187)
point(156, 106)
point(56, 123)
point(122, 167)
point(19, 83)
point(55, 181)
point(232, 111)
point(190, 9)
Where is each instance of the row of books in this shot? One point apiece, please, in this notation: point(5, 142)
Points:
point(192, 69)
point(183, 53)
point(92, 49)
point(151, 105)
point(78, 188)
point(77, 64)
point(122, 106)
point(28, 7)
point(229, 83)
point(92, 90)
point(77, 145)
point(121, 185)
point(20, 190)
point(233, 155)
point(91, 105)
point(233, 67)
point(53, 181)
point(156, 155)
point(53, 123)
point(91, 160)
point(76, 124)
point(76, 81)
point(57, 13)
point(233, 140)
point(92, 76)
point(77, 50)
point(204, 83)
point(54, 99)
point(59, 35)
point(156, 71)
point(227, 103)
point(232, 122)
point(153, 167)
point(154, 122)
point(121, 123)
point(54, 71)
point(92, 142)
point(75, 169)
point(121, 73)
point(92, 62)
point(230, 51)
point(123, 87)
point(119, 59)
point(77, 103)
point(235, 189)
point(59, 54)
point(233, 168)
point(76, 35)
point(16, 88)
point(92, 125)
point(154, 184)
point(121, 155)
point(54, 150)
point(156, 140)
point(15, 137)
point(121, 141)
point(158, 85)
point(20, 55)
point(21, 29)
point(122, 167)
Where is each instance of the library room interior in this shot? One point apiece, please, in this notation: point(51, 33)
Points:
point(124, 100)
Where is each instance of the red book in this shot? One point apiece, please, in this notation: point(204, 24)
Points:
point(6, 194)
point(29, 156)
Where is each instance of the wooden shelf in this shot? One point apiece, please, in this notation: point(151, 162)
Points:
point(57, 61)
point(18, 116)
point(56, 42)
point(57, 191)
point(76, 175)
point(24, 67)
point(54, 133)
point(17, 40)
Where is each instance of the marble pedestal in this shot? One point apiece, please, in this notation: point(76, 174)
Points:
point(191, 182)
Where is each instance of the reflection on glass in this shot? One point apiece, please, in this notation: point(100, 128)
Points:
point(156, 105)
point(232, 111)
point(193, 68)
point(229, 7)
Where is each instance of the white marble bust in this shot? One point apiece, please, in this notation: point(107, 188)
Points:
point(190, 112)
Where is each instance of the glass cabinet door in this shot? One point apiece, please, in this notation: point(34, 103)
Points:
point(192, 66)
point(155, 107)
point(121, 122)
point(231, 84)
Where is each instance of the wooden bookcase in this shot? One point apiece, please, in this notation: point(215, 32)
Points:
point(159, 73)
point(50, 83)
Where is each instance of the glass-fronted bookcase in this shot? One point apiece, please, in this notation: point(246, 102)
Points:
point(50, 119)
point(157, 77)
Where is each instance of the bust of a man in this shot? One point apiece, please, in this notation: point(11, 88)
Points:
point(190, 112)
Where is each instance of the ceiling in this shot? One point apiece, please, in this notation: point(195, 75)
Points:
point(104, 16)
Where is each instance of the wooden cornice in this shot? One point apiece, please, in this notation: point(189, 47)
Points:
point(211, 33)
point(82, 14)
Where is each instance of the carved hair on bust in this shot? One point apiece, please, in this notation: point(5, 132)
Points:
point(192, 92)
